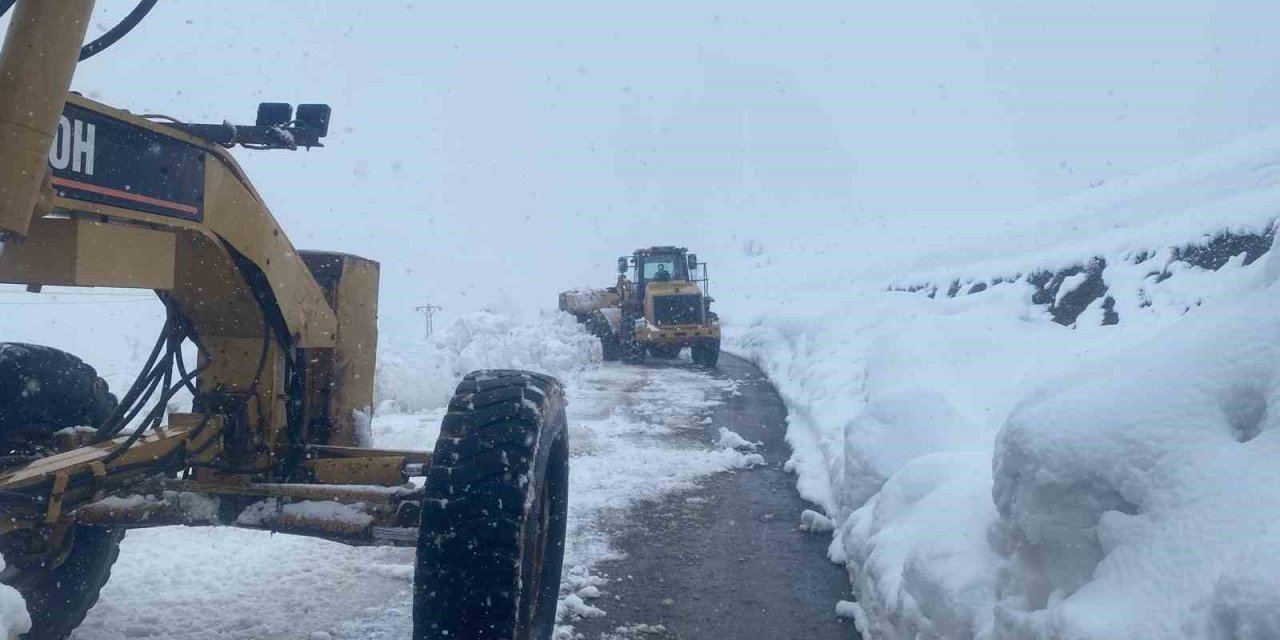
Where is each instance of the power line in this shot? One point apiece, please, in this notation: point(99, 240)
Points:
point(428, 311)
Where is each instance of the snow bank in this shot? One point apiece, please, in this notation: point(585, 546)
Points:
point(1130, 494)
point(418, 376)
point(14, 619)
point(1136, 500)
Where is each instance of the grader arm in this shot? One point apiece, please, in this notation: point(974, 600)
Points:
point(95, 196)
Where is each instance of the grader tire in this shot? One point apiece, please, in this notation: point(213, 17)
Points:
point(491, 542)
point(44, 390)
point(706, 352)
point(59, 598)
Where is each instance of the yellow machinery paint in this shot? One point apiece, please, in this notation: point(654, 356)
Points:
point(91, 196)
point(650, 312)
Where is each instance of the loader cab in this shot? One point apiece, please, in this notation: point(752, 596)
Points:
point(655, 264)
point(660, 264)
point(662, 269)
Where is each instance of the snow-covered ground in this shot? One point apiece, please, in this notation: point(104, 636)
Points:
point(230, 584)
point(995, 474)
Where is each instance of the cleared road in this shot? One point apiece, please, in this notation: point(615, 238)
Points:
point(725, 559)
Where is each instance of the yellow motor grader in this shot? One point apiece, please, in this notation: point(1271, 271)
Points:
point(663, 307)
point(94, 196)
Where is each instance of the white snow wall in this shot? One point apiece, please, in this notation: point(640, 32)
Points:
point(1114, 369)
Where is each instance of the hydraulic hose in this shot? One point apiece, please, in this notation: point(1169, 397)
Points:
point(115, 33)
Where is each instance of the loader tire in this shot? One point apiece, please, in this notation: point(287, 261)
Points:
point(44, 390)
point(491, 539)
point(664, 352)
point(610, 346)
point(633, 352)
point(706, 352)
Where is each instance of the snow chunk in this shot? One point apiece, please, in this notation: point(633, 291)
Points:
point(260, 513)
point(1068, 285)
point(328, 510)
point(854, 611)
point(816, 522)
point(75, 431)
point(573, 606)
point(196, 506)
point(123, 502)
point(363, 421)
point(730, 440)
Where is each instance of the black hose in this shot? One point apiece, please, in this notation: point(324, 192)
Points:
point(139, 405)
point(195, 435)
point(296, 373)
point(185, 381)
point(182, 373)
point(108, 426)
point(152, 419)
point(119, 31)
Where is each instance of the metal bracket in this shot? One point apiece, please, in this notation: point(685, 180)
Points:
point(54, 510)
point(99, 479)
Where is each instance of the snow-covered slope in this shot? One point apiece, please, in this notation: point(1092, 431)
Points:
point(1110, 356)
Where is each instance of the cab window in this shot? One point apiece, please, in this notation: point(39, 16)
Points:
point(660, 268)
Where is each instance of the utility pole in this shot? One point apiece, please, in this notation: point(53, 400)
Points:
point(427, 311)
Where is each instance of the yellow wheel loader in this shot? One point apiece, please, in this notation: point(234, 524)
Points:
point(94, 196)
point(659, 306)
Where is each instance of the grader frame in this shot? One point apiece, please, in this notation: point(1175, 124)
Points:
point(286, 338)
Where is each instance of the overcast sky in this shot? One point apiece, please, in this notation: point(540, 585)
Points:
point(491, 155)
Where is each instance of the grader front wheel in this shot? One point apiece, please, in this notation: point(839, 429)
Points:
point(43, 390)
point(491, 542)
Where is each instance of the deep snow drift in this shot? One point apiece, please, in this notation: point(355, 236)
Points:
point(1132, 461)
